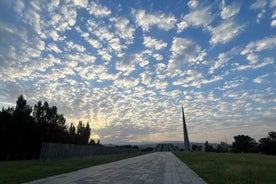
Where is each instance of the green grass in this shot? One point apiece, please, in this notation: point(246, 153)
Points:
point(23, 171)
point(226, 168)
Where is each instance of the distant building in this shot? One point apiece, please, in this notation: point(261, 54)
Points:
point(185, 133)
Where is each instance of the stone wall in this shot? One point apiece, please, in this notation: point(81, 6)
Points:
point(50, 151)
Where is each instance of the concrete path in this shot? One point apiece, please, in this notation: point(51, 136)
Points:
point(158, 167)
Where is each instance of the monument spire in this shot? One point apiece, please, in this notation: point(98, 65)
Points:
point(185, 133)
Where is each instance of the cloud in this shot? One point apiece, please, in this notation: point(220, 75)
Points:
point(98, 10)
point(147, 20)
point(266, 61)
point(127, 64)
point(258, 4)
point(127, 72)
point(154, 43)
point(61, 17)
point(260, 45)
point(273, 23)
point(54, 47)
point(264, 7)
point(73, 46)
point(105, 55)
point(252, 58)
point(146, 77)
point(193, 4)
point(229, 11)
point(53, 34)
point(81, 3)
point(86, 36)
point(191, 78)
point(222, 60)
point(272, 3)
point(273, 16)
point(184, 51)
point(231, 84)
point(225, 32)
point(104, 37)
point(123, 28)
point(260, 79)
point(198, 16)
point(126, 83)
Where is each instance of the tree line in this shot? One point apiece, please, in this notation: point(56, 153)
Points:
point(243, 144)
point(24, 128)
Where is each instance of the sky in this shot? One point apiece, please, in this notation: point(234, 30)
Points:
point(127, 67)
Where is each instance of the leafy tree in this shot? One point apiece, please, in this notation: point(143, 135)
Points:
point(72, 134)
point(25, 132)
point(87, 133)
point(92, 142)
point(208, 148)
point(194, 147)
point(99, 142)
point(72, 129)
point(268, 145)
point(244, 143)
point(23, 129)
point(222, 147)
point(50, 124)
point(199, 148)
point(83, 133)
point(7, 133)
point(18, 132)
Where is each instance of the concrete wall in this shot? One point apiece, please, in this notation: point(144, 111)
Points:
point(51, 151)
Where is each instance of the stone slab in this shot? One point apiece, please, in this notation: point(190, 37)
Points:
point(157, 167)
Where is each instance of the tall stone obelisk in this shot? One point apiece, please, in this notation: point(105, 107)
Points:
point(185, 133)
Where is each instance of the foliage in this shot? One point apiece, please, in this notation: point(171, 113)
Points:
point(244, 143)
point(24, 128)
point(208, 147)
point(268, 145)
point(196, 147)
point(222, 148)
point(228, 168)
point(50, 125)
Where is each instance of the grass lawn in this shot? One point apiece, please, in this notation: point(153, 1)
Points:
point(23, 171)
point(222, 168)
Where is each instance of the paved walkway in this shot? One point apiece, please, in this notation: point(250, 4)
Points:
point(158, 167)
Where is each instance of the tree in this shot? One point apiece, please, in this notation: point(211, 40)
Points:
point(18, 132)
point(208, 148)
point(199, 148)
point(194, 147)
point(72, 134)
point(99, 142)
point(50, 124)
point(7, 133)
point(244, 143)
point(26, 135)
point(23, 129)
point(87, 133)
point(222, 147)
point(92, 142)
point(83, 133)
point(268, 145)
point(72, 129)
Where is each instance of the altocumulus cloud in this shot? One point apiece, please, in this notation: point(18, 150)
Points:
point(126, 67)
